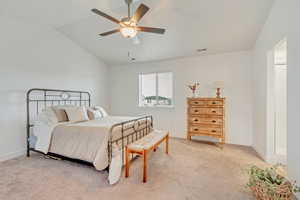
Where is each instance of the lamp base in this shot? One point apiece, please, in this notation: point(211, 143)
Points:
point(218, 92)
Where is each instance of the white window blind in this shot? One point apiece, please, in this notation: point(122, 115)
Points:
point(156, 89)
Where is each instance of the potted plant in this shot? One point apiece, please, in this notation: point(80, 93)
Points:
point(268, 184)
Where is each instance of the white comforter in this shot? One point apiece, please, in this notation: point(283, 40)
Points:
point(83, 140)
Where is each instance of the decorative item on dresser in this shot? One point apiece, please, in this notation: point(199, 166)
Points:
point(194, 88)
point(206, 117)
point(219, 85)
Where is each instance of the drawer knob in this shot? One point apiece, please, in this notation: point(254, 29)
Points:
point(213, 111)
point(195, 120)
point(196, 111)
point(196, 102)
point(213, 121)
point(195, 129)
point(214, 103)
point(213, 131)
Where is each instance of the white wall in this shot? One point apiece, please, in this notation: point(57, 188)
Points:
point(37, 56)
point(282, 22)
point(273, 32)
point(293, 88)
point(233, 68)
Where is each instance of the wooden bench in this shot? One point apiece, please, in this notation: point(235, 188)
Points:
point(143, 146)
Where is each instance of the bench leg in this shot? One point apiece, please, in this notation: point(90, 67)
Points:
point(145, 166)
point(167, 144)
point(126, 162)
point(223, 140)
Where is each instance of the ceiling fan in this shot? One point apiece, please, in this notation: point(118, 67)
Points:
point(128, 26)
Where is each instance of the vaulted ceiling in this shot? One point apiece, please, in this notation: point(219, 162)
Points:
point(218, 25)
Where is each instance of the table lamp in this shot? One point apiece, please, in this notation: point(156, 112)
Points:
point(219, 85)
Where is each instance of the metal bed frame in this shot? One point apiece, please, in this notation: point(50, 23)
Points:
point(38, 99)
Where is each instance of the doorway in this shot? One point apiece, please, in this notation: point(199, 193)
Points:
point(277, 112)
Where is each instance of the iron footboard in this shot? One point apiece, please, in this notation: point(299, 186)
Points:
point(128, 132)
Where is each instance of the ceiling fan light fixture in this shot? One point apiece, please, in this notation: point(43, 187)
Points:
point(128, 25)
point(128, 31)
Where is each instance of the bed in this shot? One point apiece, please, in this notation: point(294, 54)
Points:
point(99, 142)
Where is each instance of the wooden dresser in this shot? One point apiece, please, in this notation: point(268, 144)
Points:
point(206, 117)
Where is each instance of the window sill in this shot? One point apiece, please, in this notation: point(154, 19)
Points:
point(158, 106)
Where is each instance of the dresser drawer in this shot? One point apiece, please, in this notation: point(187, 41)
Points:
point(215, 103)
point(205, 130)
point(197, 110)
point(210, 121)
point(205, 111)
point(214, 111)
point(195, 102)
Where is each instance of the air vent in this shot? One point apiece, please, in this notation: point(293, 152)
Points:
point(201, 50)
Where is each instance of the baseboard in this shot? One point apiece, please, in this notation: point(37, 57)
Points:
point(12, 155)
point(260, 154)
point(210, 139)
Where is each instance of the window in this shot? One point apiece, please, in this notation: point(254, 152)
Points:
point(156, 89)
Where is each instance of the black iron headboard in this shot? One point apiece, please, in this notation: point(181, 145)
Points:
point(38, 99)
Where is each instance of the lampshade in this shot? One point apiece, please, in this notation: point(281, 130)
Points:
point(219, 84)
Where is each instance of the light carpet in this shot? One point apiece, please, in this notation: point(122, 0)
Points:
point(192, 170)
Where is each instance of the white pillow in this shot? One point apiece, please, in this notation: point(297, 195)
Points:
point(94, 114)
point(101, 109)
point(47, 116)
point(77, 114)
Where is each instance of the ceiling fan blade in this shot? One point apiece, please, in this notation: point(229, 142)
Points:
point(151, 30)
point(140, 12)
point(110, 32)
point(98, 12)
